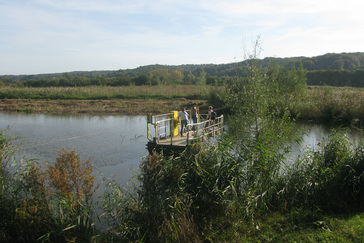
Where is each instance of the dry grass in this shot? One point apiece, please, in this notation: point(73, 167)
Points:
point(130, 100)
point(117, 107)
point(106, 92)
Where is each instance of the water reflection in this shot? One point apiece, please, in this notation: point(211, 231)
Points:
point(115, 144)
point(313, 134)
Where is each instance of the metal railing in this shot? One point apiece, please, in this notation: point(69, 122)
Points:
point(167, 126)
point(163, 125)
point(206, 129)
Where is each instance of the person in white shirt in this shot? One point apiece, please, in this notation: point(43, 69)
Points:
point(184, 119)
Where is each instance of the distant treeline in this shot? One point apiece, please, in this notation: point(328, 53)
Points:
point(338, 78)
point(345, 69)
point(174, 78)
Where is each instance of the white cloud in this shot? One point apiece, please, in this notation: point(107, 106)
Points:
point(111, 34)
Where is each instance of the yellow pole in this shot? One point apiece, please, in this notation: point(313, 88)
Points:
point(176, 124)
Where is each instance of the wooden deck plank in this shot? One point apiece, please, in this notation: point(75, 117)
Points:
point(178, 140)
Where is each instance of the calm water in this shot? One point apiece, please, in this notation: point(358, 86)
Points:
point(115, 144)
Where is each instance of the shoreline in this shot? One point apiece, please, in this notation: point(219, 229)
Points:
point(113, 106)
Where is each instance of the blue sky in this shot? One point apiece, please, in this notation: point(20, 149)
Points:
point(51, 36)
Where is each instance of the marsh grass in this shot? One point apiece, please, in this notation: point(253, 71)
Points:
point(322, 104)
point(330, 105)
point(107, 92)
point(135, 100)
point(99, 107)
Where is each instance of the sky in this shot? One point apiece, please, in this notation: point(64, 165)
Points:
point(54, 36)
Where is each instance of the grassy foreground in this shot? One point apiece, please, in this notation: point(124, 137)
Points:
point(199, 196)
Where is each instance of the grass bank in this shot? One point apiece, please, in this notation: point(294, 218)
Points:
point(126, 100)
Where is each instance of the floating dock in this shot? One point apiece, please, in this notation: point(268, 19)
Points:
point(164, 132)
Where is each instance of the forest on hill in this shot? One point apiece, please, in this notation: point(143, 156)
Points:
point(344, 69)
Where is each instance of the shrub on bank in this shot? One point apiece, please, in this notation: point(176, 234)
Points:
point(47, 205)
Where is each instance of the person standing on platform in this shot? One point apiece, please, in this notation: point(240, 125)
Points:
point(194, 114)
point(184, 118)
point(211, 114)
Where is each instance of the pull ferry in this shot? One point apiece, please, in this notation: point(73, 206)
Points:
point(163, 132)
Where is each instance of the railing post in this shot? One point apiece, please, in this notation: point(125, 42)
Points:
point(188, 133)
point(149, 121)
point(157, 133)
point(171, 132)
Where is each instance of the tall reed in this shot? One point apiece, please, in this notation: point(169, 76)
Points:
point(330, 105)
point(330, 179)
point(8, 195)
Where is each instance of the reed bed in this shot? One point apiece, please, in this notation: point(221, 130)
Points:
point(339, 106)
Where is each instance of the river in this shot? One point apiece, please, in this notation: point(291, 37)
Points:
point(115, 144)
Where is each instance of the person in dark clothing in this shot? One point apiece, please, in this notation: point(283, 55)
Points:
point(194, 114)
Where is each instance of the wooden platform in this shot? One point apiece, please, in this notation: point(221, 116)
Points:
point(178, 144)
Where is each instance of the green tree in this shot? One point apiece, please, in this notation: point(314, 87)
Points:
point(142, 79)
point(188, 78)
point(176, 76)
point(201, 78)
